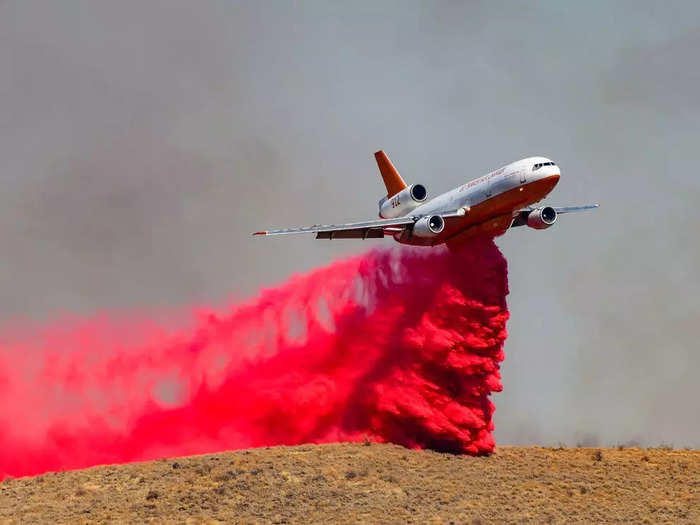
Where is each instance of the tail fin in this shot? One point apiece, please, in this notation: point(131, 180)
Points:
point(392, 180)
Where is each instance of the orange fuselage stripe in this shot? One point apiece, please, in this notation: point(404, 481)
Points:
point(494, 214)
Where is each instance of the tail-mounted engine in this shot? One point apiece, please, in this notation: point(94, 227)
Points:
point(542, 218)
point(403, 202)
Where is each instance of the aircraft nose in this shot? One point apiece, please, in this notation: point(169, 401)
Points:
point(550, 175)
point(552, 172)
point(553, 179)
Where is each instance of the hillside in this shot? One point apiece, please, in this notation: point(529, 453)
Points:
point(375, 483)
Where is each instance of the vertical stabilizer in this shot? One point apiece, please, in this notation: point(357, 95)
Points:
point(392, 180)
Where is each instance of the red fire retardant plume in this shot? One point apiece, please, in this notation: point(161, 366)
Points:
point(398, 346)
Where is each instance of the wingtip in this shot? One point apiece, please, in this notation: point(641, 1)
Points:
point(259, 233)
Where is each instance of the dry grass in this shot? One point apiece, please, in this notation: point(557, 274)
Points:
point(371, 484)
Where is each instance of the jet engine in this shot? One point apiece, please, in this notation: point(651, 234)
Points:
point(542, 218)
point(403, 202)
point(428, 226)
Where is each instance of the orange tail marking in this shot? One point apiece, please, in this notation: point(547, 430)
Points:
point(392, 180)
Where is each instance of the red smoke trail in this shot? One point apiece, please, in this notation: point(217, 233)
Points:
point(398, 345)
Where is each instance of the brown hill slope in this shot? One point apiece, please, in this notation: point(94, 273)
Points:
point(371, 484)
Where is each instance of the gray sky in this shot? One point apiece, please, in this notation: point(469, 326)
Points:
point(141, 142)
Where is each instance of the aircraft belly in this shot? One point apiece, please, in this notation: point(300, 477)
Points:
point(512, 199)
point(491, 215)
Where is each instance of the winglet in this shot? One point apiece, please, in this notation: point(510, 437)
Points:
point(259, 233)
point(392, 180)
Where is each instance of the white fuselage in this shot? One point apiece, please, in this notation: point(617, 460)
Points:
point(497, 194)
point(492, 184)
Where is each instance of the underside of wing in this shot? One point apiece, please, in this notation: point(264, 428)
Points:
point(356, 230)
point(364, 233)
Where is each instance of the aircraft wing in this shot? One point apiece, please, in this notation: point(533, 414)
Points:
point(520, 217)
point(360, 230)
point(571, 209)
point(354, 230)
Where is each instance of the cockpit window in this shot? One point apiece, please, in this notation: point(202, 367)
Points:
point(539, 165)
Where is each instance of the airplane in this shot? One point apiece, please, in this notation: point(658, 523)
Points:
point(490, 205)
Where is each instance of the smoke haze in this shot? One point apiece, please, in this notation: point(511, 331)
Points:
point(141, 142)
